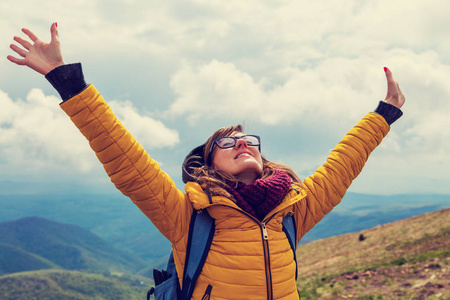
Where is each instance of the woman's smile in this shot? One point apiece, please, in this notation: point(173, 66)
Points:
point(244, 153)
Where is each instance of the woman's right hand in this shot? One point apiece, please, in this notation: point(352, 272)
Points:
point(38, 55)
point(394, 94)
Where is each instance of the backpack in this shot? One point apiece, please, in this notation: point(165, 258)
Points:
point(201, 233)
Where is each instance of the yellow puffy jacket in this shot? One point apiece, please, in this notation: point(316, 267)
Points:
point(248, 259)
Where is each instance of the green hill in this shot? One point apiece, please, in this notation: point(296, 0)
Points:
point(71, 285)
point(13, 259)
point(407, 259)
point(112, 217)
point(35, 243)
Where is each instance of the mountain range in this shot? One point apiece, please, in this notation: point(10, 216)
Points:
point(35, 243)
point(120, 223)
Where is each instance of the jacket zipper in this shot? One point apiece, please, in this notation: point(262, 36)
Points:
point(265, 236)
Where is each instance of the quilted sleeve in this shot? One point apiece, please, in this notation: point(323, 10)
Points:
point(128, 165)
point(328, 185)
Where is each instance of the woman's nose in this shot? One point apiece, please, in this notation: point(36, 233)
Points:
point(241, 142)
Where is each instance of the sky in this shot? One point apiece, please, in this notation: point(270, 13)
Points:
point(298, 73)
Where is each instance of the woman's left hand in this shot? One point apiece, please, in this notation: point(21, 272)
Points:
point(394, 94)
point(38, 55)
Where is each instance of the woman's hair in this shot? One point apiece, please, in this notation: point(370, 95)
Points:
point(215, 181)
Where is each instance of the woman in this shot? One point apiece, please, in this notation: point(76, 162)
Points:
point(248, 196)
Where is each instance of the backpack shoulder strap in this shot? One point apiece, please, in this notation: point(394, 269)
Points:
point(201, 233)
point(290, 230)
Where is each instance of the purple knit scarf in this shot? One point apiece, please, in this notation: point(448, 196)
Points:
point(262, 195)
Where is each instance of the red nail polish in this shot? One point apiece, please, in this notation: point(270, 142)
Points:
point(56, 24)
point(385, 69)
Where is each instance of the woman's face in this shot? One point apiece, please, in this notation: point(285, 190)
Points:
point(242, 161)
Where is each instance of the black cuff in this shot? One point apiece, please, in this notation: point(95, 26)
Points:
point(68, 80)
point(389, 112)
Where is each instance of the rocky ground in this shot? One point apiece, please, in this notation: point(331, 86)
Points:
point(429, 279)
point(407, 259)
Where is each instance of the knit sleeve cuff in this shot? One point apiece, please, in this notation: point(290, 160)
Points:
point(388, 111)
point(68, 80)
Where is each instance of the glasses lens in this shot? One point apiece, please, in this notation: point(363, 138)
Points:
point(251, 140)
point(226, 142)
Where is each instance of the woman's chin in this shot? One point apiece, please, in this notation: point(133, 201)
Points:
point(250, 174)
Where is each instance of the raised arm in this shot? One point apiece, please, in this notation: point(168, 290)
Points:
point(38, 55)
point(128, 165)
point(329, 183)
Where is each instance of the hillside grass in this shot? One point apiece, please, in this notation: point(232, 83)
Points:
point(36, 243)
point(68, 285)
point(13, 259)
point(403, 245)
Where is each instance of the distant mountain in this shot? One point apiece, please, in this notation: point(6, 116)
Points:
point(34, 243)
point(117, 220)
point(14, 259)
point(113, 217)
point(361, 211)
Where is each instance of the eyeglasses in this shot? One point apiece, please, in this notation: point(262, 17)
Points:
point(230, 141)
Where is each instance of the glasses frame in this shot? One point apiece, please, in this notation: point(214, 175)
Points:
point(236, 138)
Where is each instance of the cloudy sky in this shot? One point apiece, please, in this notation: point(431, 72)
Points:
point(298, 73)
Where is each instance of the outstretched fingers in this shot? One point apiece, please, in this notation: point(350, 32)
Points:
point(27, 45)
point(394, 94)
point(392, 84)
point(18, 50)
point(23, 52)
point(15, 60)
point(54, 33)
point(30, 34)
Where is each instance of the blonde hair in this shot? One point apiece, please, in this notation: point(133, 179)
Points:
point(214, 181)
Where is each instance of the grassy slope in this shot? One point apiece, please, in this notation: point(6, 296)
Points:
point(403, 244)
point(59, 245)
point(67, 285)
point(13, 259)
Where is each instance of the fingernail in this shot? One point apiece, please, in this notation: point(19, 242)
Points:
point(385, 69)
point(56, 24)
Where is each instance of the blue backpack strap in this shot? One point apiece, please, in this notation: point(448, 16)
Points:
point(290, 230)
point(201, 233)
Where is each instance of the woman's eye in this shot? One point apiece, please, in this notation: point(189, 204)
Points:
point(250, 141)
point(226, 142)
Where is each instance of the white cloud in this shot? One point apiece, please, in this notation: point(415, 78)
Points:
point(304, 66)
point(151, 133)
point(331, 96)
point(335, 89)
point(37, 137)
point(214, 90)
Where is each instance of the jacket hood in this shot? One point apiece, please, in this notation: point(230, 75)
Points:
point(193, 161)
